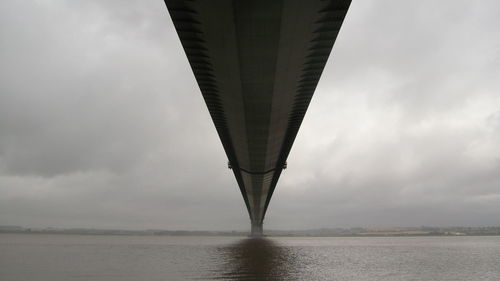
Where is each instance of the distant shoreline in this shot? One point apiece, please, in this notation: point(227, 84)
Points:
point(326, 232)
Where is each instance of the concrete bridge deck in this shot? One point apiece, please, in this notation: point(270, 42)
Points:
point(257, 63)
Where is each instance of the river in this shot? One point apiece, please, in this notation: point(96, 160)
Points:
point(86, 257)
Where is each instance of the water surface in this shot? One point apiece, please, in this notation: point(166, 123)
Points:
point(86, 257)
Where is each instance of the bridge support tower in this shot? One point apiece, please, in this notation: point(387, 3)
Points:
point(257, 229)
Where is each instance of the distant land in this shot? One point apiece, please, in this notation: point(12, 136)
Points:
point(323, 232)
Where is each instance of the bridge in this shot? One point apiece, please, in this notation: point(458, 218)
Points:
point(257, 63)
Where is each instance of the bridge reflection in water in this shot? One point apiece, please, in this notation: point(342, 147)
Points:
point(256, 259)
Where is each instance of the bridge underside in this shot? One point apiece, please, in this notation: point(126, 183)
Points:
point(257, 63)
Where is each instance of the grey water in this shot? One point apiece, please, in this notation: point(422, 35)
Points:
point(86, 257)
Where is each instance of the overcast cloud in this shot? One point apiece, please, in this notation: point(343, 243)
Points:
point(102, 123)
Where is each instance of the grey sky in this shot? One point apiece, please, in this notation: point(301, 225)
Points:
point(102, 123)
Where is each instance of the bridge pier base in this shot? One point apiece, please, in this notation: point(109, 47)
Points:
point(257, 229)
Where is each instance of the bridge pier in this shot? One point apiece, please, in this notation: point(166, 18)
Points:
point(257, 229)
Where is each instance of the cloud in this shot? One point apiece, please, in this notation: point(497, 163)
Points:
point(102, 123)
